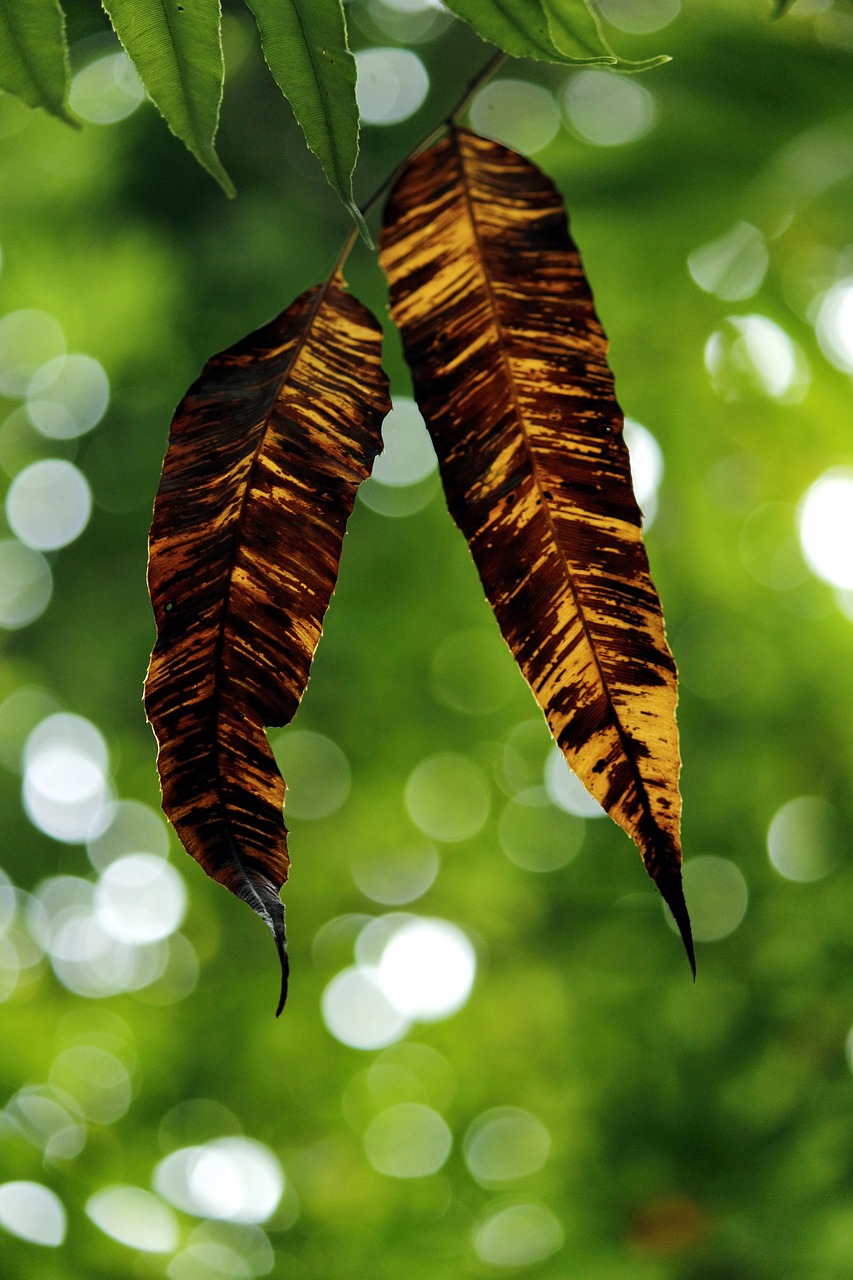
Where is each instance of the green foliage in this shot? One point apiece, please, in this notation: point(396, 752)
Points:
point(561, 31)
point(305, 47)
point(177, 50)
point(33, 54)
point(575, 30)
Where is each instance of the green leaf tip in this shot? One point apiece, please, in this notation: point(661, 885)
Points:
point(358, 219)
point(34, 63)
point(305, 47)
point(177, 51)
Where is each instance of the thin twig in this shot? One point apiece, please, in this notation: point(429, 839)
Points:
point(482, 78)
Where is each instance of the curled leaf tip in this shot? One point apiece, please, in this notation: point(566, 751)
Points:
point(281, 947)
point(672, 892)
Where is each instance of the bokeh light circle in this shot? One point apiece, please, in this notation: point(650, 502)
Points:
point(834, 325)
point(639, 17)
point(140, 898)
point(826, 527)
point(358, 1012)
point(517, 113)
point(448, 797)
point(505, 1143)
point(646, 467)
point(732, 267)
point(538, 838)
point(392, 84)
point(135, 1218)
point(408, 1140)
point(608, 110)
point(518, 1235)
point(233, 1178)
point(398, 876)
point(32, 1212)
point(107, 90)
point(716, 895)
point(65, 783)
point(316, 771)
point(752, 356)
point(408, 455)
point(427, 969)
point(803, 841)
point(566, 790)
point(68, 396)
point(28, 339)
point(49, 504)
point(26, 584)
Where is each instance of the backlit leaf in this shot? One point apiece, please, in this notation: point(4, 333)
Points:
point(575, 29)
point(520, 28)
point(509, 365)
point(177, 50)
point(265, 454)
point(33, 54)
point(305, 47)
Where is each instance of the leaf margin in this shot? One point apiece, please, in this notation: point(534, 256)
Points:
point(338, 155)
point(54, 97)
point(179, 108)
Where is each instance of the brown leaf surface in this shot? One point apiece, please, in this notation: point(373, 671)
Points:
point(265, 454)
point(510, 371)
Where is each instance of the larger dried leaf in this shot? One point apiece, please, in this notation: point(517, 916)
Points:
point(510, 370)
point(265, 454)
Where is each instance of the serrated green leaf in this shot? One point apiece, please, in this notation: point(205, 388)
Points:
point(34, 54)
point(520, 28)
point(177, 51)
point(305, 47)
point(576, 30)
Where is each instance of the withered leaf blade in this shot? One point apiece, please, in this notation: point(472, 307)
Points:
point(266, 452)
point(509, 364)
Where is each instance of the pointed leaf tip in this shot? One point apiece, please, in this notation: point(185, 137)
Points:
point(278, 931)
point(672, 891)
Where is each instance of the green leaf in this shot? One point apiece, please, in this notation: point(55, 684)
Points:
point(522, 29)
point(575, 29)
point(305, 47)
point(34, 55)
point(177, 50)
point(565, 31)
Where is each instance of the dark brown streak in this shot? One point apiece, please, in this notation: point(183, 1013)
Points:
point(627, 745)
point(277, 928)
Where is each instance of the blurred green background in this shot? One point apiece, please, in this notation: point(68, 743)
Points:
point(492, 1061)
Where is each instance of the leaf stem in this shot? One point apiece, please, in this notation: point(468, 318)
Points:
point(482, 77)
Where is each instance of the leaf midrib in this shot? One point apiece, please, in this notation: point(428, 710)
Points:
point(185, 93)
point(344, 179)
point(510, 380)
point(24, 55)
point(219, 647)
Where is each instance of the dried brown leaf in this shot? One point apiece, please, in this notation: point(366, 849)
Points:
point(265, 454)
point(510, 371)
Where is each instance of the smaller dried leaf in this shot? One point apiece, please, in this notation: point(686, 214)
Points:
point(265, 455)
